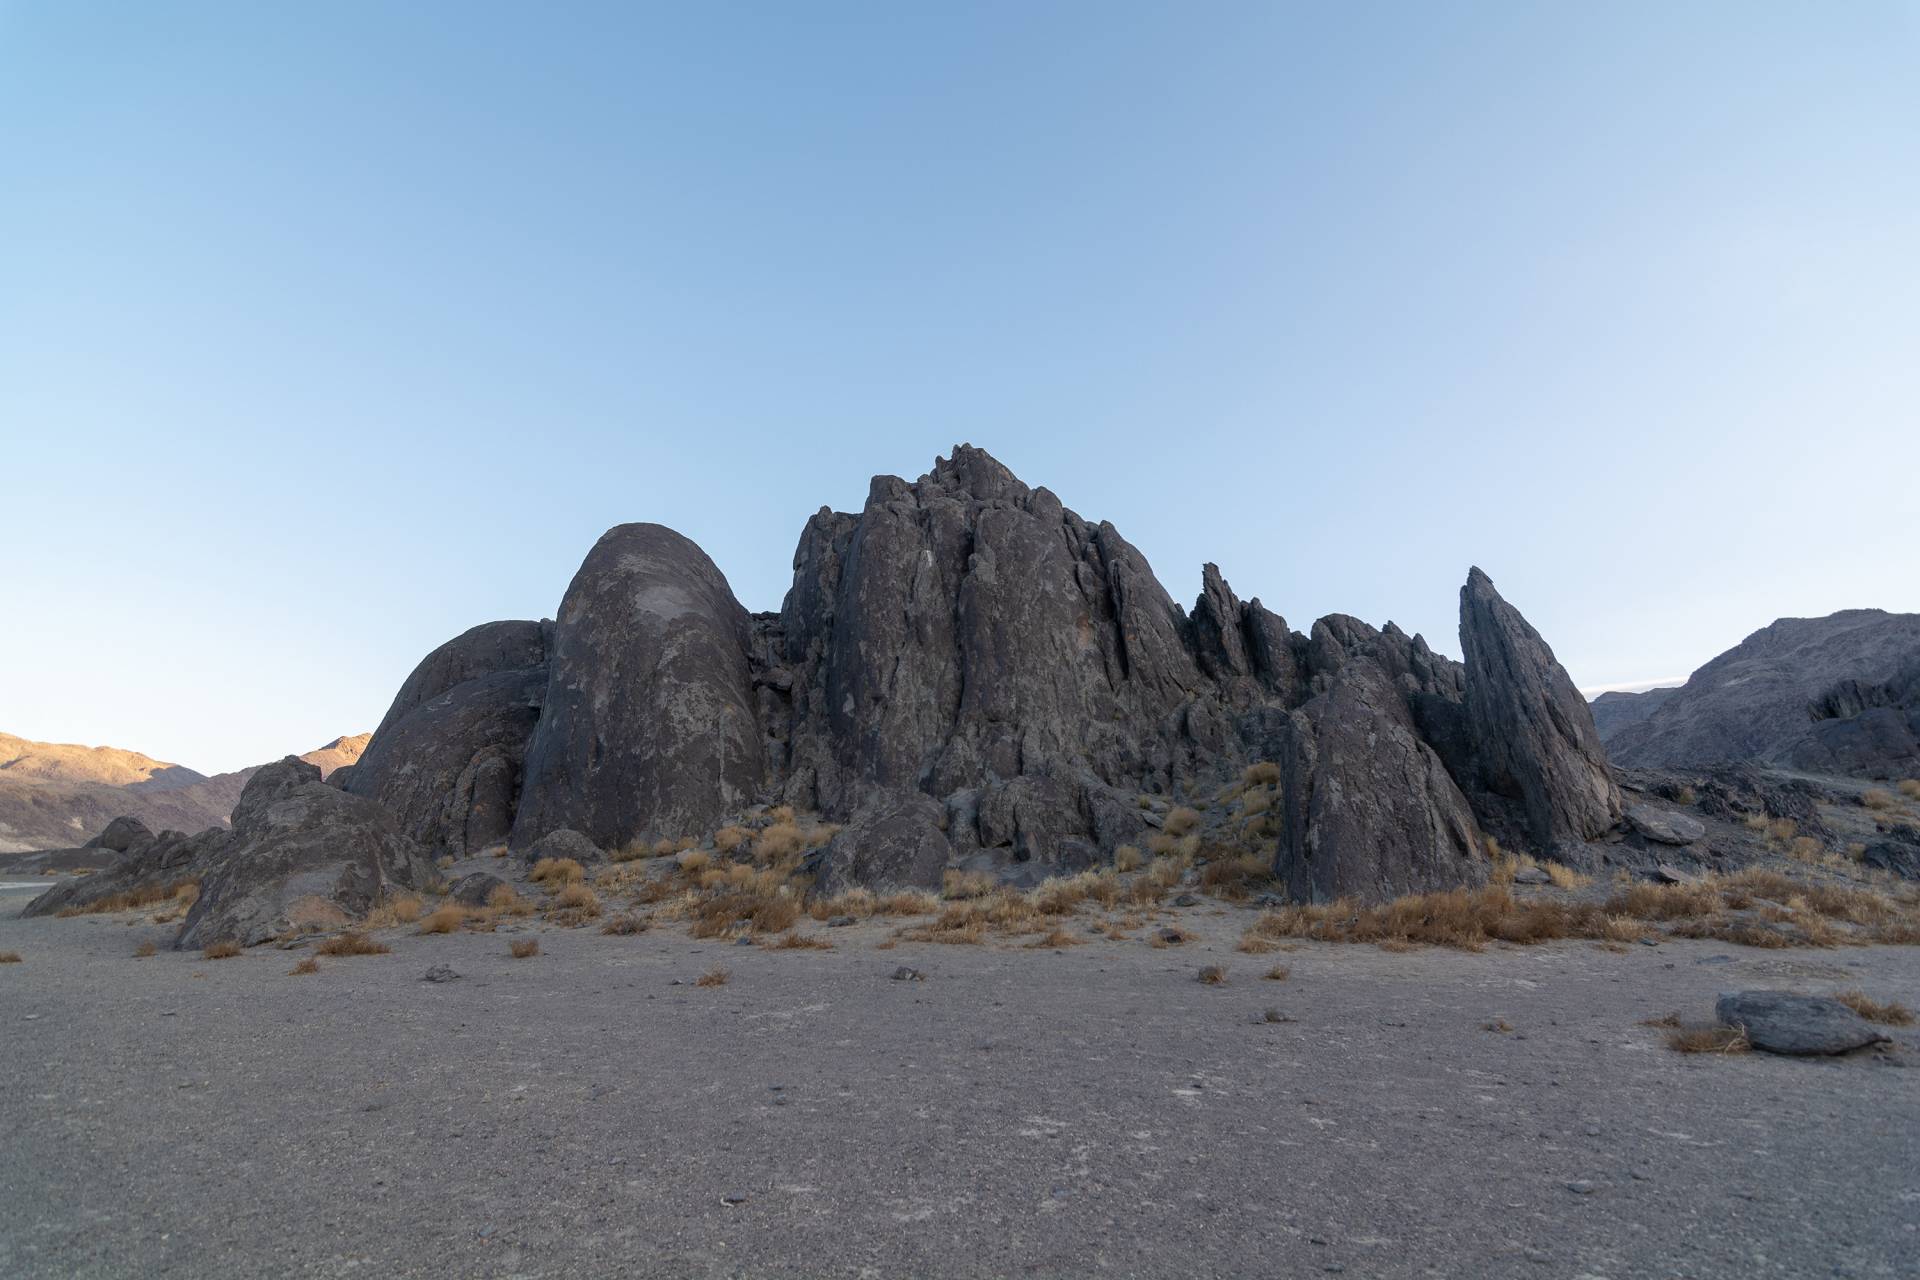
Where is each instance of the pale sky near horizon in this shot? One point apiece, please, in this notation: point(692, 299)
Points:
point(330, 330)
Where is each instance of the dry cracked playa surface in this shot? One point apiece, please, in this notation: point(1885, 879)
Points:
point(1090, 1110)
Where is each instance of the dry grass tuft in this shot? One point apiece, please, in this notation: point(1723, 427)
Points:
point(1891, 1012)
point(1910, 788)
point(144, 950)
point(404, 909)
point(712, 978)
point(801, 942)
point(1708, 1039)
point(1263, 774)
point(554, 872)
point(504, 900)
point(729, 838)
point(1169, 938)
point(524, 948)
point(1055, 939)
point(1279, 973)
point(1128, 858)
point(309, 965)
point(623, 926)
point(353, 944)
point(779, 842)
point(1180, 820)
point(694, 861)
point(966, 884)
point(1565, 877)
point(758, 912)
point(445, 919)
point(1213, 975)
point(9, 957)
point(1876, 799)
point(1236, 878)
point(226, 949)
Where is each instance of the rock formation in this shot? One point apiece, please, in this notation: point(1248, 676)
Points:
point(1817, 694)
point(966, 671)
point(301, 856)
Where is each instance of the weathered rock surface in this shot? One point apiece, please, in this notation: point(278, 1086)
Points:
point(1369, 809)
point(898, 844)
point(1781, 1022)
point(1534, 739)
point(447, 759)
point(1663, 826)
point(1833, 694)
point(474, 890)
point(300, 855)
point(648, 725)
point(121, 835)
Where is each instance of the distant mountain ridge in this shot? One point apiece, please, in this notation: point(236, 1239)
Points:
point(1790, 695)
point(54, 795)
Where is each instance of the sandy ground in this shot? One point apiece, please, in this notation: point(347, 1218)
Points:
point(1092, 1111)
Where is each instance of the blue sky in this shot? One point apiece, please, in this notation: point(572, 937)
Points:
point(329, 330)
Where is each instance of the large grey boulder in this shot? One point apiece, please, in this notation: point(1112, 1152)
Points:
point(122, 834)
point(895, 843)
point(565, 843)
point(1663, 826)
point(648, 726)
point(1368, 810)
point(301, 855)
point(1534, 738)
point(1780, 1022)
point(447, 759)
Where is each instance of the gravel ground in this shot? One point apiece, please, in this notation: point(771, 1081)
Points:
point(1095, 1110)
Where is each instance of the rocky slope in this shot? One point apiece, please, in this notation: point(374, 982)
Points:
point(965, 670)
point(54, 795)
point(1839, 694)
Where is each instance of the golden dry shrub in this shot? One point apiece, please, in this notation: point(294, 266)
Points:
point(1128, 858)
point(9, 957)
point(445, 919)
point(506, 901)
point(225, 949)
point(309, 965)
point(144, 950)
point(694, 861)
point(1213, 975)
point(1890, 1012)
point(1708, 1039)
point(955, 883)
point(1180, 820)
point(731, 837)
point(554, 872)
point(715, 977)
point(1878, 800)
point(1910, 788)
point(622, 926)
point(522, 948)
point(778, 842)
point(352, 943)
point(1263, 773)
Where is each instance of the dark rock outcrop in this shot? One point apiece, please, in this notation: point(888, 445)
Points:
point(968, 673)
point(121, 835)
point(648, 727)
point(1369, 810)
point(566, 843)
point(896, 845)
point(301, 855)
point(161, 863)
point(1534, 740)
point(447, 759)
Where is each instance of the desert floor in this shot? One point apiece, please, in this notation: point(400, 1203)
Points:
point(1088, 1111)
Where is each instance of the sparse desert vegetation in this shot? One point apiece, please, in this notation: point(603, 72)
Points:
point(715, 977)
point(179, 896)
point(145, 951)
point(306, 966)
point(353, 943)
point(523, 948)
point(1890, 1012)
point(226, 949)
point(9, 957)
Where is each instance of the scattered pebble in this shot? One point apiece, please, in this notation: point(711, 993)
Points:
point(439, 973)
point(905, 974)
point(839, 922)
point(1581, 1187)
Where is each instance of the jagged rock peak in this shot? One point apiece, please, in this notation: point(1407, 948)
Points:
point(1534, 735)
